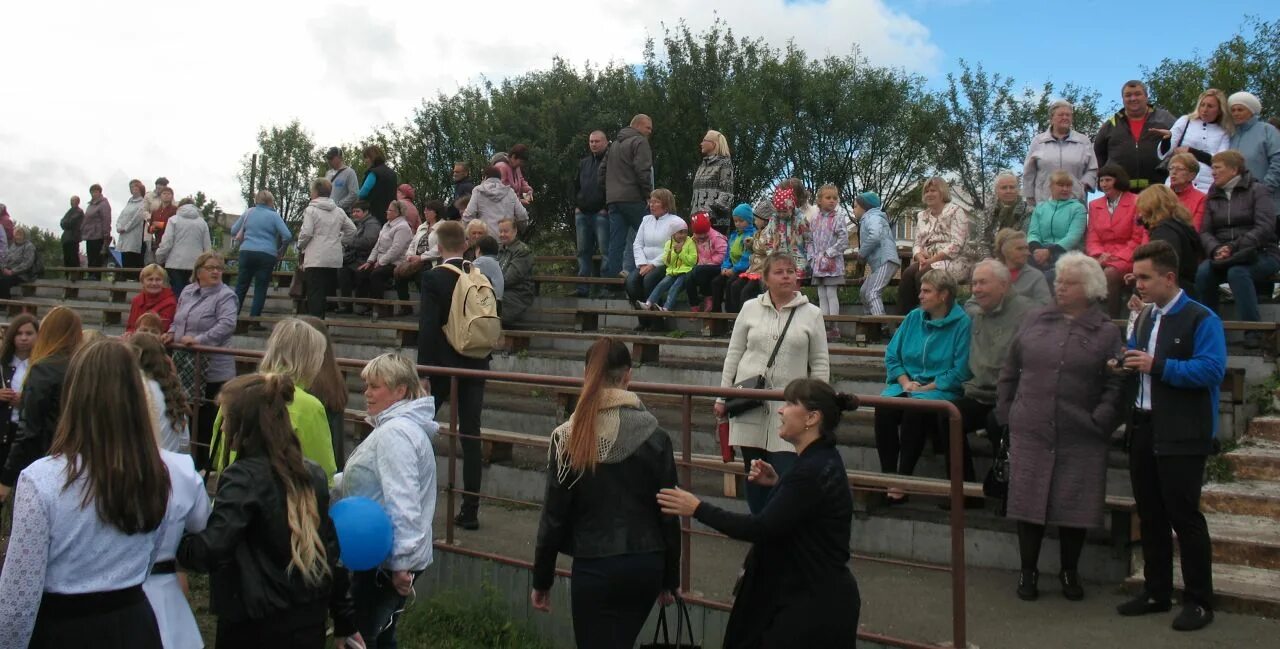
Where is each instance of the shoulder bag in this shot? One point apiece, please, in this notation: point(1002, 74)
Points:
point(737, 405)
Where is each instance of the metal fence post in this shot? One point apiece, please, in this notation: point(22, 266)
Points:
point(686, 483)
point(453, 458)
point(956, 432)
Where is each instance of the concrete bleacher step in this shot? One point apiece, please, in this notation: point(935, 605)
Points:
point(1256, 459)
point(1236, 588)
point(1245, 498)
point(1265, 428)
point(1252, 541)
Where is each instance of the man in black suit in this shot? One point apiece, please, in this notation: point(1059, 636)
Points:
point(433, 349)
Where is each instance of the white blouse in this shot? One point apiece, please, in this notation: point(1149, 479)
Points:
point(1197, 134)
point(58, 546)
point(20, 367)
point(188, 511)
point(178, 441)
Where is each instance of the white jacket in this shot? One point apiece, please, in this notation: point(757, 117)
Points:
point(652, 237)
point(131, 224)
point(395, 466)
point(325, 228)
point(1203, 136)
point(393, 243)
point(803, 354)
point(185, 236)
point(177, 441)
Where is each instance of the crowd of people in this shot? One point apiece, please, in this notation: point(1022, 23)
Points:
point(1031, 358)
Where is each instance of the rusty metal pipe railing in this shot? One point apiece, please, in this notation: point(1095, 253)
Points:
point(685, 466)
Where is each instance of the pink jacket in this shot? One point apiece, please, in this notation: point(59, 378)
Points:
point(711, 252)
point(1115, 234)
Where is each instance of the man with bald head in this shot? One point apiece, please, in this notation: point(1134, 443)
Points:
point(591, 215)
point(995, 312)
point(626, 174)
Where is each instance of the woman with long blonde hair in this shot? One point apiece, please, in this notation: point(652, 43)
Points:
point(606, 464)
point(1167, 219)
point(1203, 132)
point(60, 335)
point(296, 350)
point(270, 547)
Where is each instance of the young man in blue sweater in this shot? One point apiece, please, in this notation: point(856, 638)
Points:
point(1178, 357)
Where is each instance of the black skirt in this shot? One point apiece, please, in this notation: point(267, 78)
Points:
point(120, 619)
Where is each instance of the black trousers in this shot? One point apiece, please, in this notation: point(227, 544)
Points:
point(612, 597)
point(699, 283)
point(93, 252)
point(975, 416)
point(1166, 490)
point(71, 254)
point(321, 283)
point(740, 291)
point(301, 627)
point(205, 414)
point(7, 282)
point(373, 283)
point(909, 288)
point(470, 406)
point(178, 279)
point(113, 620)
point(133, 259)
point(900, 438)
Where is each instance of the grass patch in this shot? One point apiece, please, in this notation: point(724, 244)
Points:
point(453, 620)
point(1217, 468)
point(1263, 395)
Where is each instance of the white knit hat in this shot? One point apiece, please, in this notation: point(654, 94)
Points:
point(1248, 100)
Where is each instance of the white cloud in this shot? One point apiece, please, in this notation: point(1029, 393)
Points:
point(105, 92)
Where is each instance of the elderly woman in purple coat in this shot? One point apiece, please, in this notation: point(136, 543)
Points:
point(1061, 404)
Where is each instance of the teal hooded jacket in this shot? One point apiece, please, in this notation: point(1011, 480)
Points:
point(929, 351)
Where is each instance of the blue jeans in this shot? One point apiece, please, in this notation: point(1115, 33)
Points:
point(670, 285)
point(781, 461)
point(378, 606)
point(624, 220)
point(1243, 280)
point(255, 267)
point(593, 235)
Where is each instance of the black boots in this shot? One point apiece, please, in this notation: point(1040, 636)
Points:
point(1027, 585)
point(1071, 588)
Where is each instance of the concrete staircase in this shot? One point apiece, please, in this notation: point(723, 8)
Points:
point(1244, 524)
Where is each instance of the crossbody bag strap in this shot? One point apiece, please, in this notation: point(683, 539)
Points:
point(781, 337)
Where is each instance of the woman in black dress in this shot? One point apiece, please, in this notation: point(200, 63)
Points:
point(797, 590)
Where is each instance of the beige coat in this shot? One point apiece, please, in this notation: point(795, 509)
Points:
point(803, 354)
point(949, 233)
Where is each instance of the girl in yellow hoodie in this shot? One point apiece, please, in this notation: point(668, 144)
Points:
point(679, 256)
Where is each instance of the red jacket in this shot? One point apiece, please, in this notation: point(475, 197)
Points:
point(1193, 199)
point(163, 304)
point(160, 217)
point(1114, 234)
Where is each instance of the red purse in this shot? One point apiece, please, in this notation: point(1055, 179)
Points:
point(722, 432)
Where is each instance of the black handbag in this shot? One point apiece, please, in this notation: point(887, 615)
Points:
point(738, 405)
point(683, 621)
point(1163, 165)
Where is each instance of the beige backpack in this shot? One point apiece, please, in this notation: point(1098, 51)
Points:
point(474, 327)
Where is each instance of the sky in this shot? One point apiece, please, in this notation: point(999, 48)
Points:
point(108, 91)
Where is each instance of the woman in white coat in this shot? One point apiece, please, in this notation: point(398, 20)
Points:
point(801, 354)
point(1202, 133)
point(186, 237)
point(325, 228)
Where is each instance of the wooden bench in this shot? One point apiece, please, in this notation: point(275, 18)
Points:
point(118, 274)
point(645, 348)
point(71, 290)
point(406, 332)
point(112, 314)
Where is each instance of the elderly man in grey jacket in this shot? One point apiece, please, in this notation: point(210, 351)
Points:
point(995, 312)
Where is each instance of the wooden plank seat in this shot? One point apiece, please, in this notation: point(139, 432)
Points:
point(118, 274)
point(406, 332)
point(112, 314)
point(645, 348)
point(119, 294)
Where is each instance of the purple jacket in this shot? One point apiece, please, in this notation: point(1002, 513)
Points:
point(208, 315)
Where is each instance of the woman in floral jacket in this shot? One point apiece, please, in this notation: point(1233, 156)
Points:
point(942, 231)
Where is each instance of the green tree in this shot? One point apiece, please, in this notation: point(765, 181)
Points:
point(287, 160)
point(1239, 63)
point(48, 245)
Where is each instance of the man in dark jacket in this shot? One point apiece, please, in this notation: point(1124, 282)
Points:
point(462, 186)
point(433, 349)
point(591, 218)
point(1130, 137)
point(71, 234)
point(1178, 357)
point(626, 174)
point(380, 183)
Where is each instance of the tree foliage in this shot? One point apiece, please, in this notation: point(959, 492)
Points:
point(287, 160)
point(1239, 63)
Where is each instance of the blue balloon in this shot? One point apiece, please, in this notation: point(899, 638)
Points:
point(364, 532)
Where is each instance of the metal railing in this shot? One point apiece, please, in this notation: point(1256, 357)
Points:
point(686, 465)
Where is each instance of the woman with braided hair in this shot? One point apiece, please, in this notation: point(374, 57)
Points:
point(166, 397)
point(270, 546)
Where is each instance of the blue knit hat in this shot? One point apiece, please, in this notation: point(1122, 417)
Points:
point(743, 211)
point(868, 200)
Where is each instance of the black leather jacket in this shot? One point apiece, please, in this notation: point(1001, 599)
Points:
point(612, 511)
point(246, 550)
point(41, 405)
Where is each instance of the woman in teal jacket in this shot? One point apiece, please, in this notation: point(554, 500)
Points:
point(928, 358)
point(1057, 226)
